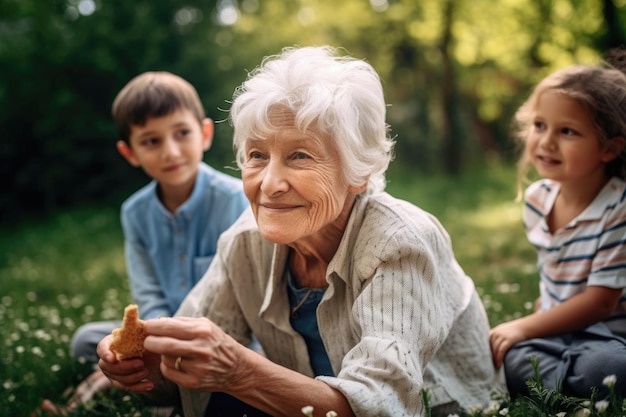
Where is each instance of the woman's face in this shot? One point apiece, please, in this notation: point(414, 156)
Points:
point(294, 183)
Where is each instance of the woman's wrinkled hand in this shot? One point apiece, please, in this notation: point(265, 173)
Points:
point(136, 374)
point(197, 354)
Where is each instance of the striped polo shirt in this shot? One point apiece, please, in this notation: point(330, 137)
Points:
point(589, 250)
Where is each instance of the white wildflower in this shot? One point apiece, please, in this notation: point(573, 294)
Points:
point(331, 414)
point(583, 412)
point(307, 411)
point(42, 335)
point(6, 300)
point(602, 405)
point(561, 414)
point(453, 415)
point(492, 408)
point(609, 381)
point(474, 409)
point(504, 411)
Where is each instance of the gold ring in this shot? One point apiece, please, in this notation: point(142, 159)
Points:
point(177, 363)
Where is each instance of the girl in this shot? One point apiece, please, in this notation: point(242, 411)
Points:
point(573, 128)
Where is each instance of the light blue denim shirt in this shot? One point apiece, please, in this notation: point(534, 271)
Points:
point(166, 253)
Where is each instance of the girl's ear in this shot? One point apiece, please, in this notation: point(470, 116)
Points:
point(207, 133)
point(614, 148)
point(127, 152)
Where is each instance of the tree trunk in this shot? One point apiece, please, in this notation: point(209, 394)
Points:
point(614, 36)
point(451, 146)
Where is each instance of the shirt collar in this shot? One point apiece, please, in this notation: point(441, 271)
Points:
point(275, 299)
point(596, 209)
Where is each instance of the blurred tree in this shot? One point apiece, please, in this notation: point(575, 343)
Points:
point(614, 35)
point(454, 71)
point(62, 64)
point(450, 132)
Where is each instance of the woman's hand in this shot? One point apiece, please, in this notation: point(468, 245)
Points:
point(136, 374)
point(197, 354)
point(503, 337)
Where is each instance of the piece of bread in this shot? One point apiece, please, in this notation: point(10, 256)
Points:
point(128, 340)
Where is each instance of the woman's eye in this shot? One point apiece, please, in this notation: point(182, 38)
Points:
point(300, 155)
point(256, 155)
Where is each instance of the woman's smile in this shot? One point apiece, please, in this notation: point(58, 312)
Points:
point(279, 207)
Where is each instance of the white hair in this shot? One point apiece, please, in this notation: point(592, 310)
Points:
point(336, 95)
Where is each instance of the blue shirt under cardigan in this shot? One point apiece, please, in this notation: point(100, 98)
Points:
point(166, 253)
point(303, 305)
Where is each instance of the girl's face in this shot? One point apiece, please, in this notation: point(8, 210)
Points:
point(563, 144)
point(295, 186)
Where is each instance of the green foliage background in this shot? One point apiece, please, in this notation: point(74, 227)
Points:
point(453, 70)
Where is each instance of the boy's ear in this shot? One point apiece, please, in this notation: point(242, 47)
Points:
point(127, 152)
point(614, 148)
point(207, 133)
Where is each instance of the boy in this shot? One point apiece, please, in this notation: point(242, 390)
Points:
point(171, 225)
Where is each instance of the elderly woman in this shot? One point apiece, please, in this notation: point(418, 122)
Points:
point(355, 296)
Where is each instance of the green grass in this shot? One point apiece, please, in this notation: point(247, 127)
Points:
point(69, 269)
point(56, 274)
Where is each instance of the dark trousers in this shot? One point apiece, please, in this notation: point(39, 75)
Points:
point(571, 363)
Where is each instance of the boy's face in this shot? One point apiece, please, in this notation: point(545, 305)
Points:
point(169, 148)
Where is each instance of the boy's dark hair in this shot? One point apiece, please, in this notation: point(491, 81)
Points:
point(153, 94)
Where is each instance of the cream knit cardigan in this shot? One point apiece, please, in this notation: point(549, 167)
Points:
point(399, 314)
